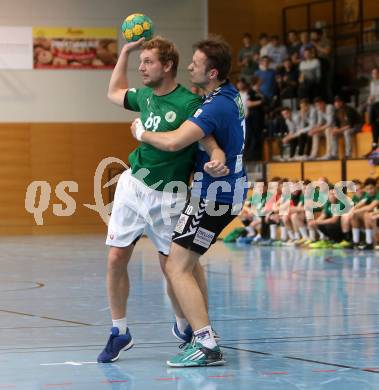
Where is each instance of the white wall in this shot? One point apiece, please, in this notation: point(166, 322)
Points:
point(80, 95)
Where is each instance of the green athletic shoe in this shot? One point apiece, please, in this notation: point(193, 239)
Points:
point(343, 245)
point(322, 244)
point(196, 355)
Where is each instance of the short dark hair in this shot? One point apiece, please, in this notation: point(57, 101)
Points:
point(247, 35)
point(318, 99)
point(357, 181)
point(370, 182)
point(218, 53)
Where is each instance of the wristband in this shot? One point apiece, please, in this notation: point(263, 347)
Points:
point(139, 129)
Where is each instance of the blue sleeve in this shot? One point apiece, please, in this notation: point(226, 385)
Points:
point(208, 117)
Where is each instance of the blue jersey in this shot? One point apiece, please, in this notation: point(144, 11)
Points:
point(222, 115)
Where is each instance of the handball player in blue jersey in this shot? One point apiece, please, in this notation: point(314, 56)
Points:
point(214, 202)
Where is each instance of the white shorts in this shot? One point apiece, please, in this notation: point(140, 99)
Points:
point(137, 209)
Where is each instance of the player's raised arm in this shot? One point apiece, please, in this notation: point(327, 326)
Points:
point(118, 84)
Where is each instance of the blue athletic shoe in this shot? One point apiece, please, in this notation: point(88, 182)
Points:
point(184, 337)
point(116, 343)
point(244, 240)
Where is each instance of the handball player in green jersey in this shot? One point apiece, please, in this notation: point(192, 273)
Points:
point(151, 194)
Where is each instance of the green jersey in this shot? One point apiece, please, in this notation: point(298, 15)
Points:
point(327, 209)
point(161, 114)
point(370, 198)
point(356, 199)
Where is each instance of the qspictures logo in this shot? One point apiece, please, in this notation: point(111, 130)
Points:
point(274, 198)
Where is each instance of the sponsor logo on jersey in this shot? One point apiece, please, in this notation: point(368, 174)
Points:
point(239, 103)
point(132, 90)
point(170, 116)
point(198, 112)
point(204, 238)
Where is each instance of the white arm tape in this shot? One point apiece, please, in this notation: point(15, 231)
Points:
point(139, 129)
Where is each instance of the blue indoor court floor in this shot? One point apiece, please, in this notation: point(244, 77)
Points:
point(288, 318)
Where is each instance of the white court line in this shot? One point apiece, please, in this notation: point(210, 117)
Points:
point(67, 363)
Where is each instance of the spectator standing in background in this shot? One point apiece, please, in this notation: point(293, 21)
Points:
point(310, 75)
point(277, 52)
point(373, 106)
point(305, 43)
point(347, 122)
point(254, 122)
point(246, 61)
point(264, 44)
point(293, 43)
point(323, 49)
point(287, 80)
point(268, 79)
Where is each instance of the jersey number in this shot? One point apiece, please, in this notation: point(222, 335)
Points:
point(152, 122)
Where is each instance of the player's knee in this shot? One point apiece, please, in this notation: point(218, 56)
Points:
point(117, 258)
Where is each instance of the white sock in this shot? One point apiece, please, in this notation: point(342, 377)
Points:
point(303, 232)
point(291, 234)
point(283, 233)
point(312, 234)
point(356, 234)
point(182, 323)
point(273, 231)
point(297, 236)
point(369, 236)
point(250, 230)
point(322, 235)
point(120, 324)
point(205, 337)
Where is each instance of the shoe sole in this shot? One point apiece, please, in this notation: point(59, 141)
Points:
point(126, 348)
point(194, 364)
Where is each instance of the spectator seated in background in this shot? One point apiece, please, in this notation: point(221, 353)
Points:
point(347, 122)
point(298, 126)
point(323, 124)
point(361, 215)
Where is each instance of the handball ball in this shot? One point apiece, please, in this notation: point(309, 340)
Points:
point(137, 26)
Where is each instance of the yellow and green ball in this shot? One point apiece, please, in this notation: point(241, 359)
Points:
point(137, 26)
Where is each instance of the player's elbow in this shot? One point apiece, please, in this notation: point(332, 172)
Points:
point(173, 145)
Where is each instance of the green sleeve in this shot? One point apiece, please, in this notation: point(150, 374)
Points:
point(193, 105)
point(377, 196)
point(131, 100)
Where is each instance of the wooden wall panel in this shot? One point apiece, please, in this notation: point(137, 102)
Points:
point(55, 152)
point(330, 169)
point(290, 170)
point(360, 169)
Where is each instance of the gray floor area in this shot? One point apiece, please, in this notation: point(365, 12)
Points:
point(288, 318)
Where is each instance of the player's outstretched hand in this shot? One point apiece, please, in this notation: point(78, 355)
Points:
point(131, 46)
point(216, 168)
